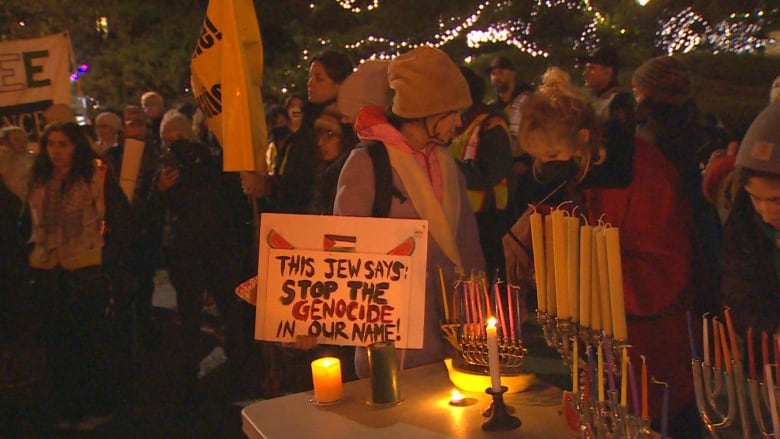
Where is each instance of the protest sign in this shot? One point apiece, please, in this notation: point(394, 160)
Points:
point(345, 280)
point(34, 74)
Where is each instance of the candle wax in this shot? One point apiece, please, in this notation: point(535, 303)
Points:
point(326, 376)
point(494, 366)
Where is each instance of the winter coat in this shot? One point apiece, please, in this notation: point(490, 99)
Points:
point(355, 197)
point(749, 279)
point(654, 220)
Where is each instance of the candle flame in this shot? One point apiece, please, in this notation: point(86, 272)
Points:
point(456, 396)
point(492, 321)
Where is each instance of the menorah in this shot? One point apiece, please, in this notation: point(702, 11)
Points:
point(726, 398)
point(602, 413)
point(473, 349)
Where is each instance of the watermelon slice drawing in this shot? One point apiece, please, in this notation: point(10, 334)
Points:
point(275, 240)
point(406, 248)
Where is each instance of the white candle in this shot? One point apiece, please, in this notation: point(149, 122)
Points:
point(493, 365)
point(326, 375)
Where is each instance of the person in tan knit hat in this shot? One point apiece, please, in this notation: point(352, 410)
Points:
point(421, 179)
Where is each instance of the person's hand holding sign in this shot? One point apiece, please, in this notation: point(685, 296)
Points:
point(303, 342)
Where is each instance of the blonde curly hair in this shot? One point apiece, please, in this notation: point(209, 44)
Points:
point(554, 119)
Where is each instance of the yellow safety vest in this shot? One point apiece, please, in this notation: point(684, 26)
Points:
point(464, 146)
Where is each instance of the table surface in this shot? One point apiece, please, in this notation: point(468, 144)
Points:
point(424, 413)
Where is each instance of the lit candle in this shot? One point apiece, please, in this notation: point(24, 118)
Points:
point(624, 378)
point(585, 271)
point(493, 364)
point(573, 265)
point(751, 354)
point(575, 366)
point(560, 257)
point(705, 327)
point(716, 342)
point(732, 336)
point(444, 295)
point(537, 241)
point(634, 388)
point(604, 293)
point(645, 395)
point(725, 345)
point(694, 355)
point(552, 305)
point(326, 376)
point(600, 371)
point(615, 268)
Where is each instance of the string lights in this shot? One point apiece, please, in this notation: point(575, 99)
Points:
point(351, 5)
point(687, 30)
point(680, 33)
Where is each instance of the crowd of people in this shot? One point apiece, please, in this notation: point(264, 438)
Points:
point(98, 210)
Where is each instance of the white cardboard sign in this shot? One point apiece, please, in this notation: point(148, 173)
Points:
point(345, 280)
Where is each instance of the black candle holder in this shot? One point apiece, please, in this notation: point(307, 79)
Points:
point(500, 419)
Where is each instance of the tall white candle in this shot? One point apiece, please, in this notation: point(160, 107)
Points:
point(493, 365)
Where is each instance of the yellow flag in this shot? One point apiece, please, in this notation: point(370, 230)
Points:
point(227, 74)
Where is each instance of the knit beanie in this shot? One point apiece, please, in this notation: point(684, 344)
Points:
point(329, 120)
point(175, 121)
point(664, 78)
point(366, 86)
point(760, 149)
point(110, 119)
point(426, 82)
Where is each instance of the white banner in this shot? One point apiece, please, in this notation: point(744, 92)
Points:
point(34, 74)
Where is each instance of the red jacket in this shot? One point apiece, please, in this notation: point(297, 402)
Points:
point(655, 221)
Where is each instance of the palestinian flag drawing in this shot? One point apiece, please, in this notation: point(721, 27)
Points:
point(339, 243)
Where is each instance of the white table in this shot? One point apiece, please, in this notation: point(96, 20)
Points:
point(424, 413)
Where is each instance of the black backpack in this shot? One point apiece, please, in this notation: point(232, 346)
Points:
point(384, 190)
